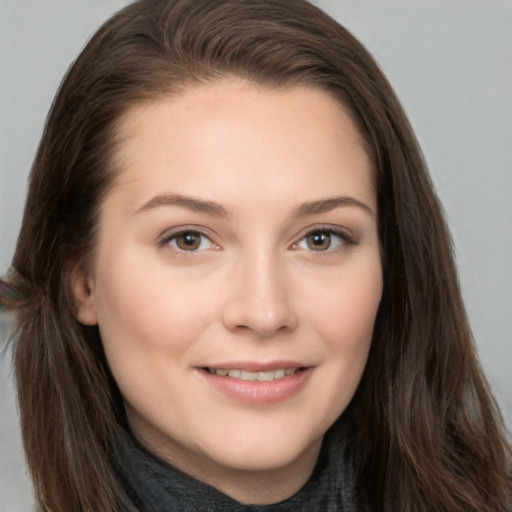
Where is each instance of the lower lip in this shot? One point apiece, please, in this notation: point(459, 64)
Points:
point(255, 392)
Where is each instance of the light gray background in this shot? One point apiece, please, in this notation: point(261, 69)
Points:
point(450, 63)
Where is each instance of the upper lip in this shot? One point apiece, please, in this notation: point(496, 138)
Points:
point(254, 366)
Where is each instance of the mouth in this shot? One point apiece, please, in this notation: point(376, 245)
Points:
point(252, 376)
point(258, 383)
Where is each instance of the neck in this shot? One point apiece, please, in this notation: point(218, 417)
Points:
point(248, 486)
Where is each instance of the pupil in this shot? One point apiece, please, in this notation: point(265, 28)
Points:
point(188, 241)
point(319, 241)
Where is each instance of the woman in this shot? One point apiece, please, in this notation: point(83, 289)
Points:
point(240, 288)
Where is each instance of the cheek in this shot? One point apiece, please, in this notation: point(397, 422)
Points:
point(146, 319)
point(142, 299)
point(149, 329)
point(346, 307)
point(344, 315)
point(349, 339)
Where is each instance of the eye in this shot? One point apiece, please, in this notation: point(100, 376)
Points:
point(189, 241)
point(319, 241)
point(323, 240)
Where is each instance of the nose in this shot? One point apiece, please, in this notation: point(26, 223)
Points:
point(261, 298)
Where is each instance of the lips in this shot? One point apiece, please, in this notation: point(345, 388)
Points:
point(257, 384)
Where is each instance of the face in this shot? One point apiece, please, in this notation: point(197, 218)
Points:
point(237, 275)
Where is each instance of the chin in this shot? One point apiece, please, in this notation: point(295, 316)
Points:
point(258, 453)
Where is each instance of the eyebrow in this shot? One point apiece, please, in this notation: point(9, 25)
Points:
point(212, 208)
point(191, 203)
point(326, 205)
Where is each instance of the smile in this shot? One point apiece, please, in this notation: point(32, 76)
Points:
point(257, 384)
point(262, 376)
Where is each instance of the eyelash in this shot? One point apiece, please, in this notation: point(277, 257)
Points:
point(168, 237)
point(345, 240)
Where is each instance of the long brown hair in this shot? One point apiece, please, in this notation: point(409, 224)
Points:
point(427, 434)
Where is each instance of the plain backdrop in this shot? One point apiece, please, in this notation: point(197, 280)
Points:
point(450, 63)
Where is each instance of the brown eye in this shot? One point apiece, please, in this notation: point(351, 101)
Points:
point(319, 241)
point(188, 240)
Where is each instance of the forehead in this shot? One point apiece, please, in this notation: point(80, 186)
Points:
point(210, 136)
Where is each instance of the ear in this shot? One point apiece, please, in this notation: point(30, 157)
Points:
point(82, 289)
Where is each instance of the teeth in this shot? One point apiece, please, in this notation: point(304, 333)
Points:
point(267, 376)
point(249, 375)
point(279, 374)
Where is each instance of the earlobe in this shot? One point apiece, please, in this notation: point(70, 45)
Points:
point(82, 287)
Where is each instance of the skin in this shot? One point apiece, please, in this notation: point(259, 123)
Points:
point(255, 287)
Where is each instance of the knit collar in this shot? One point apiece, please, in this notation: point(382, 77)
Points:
point(155, 486)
